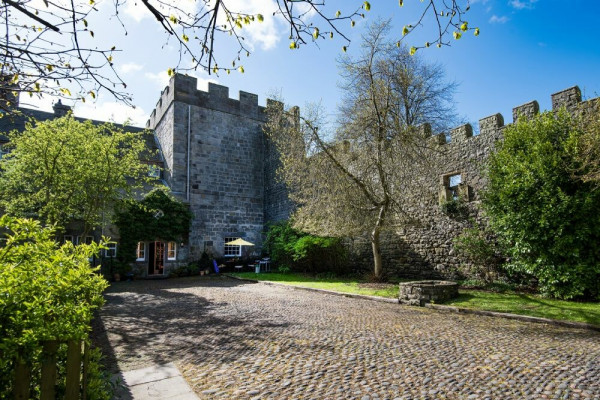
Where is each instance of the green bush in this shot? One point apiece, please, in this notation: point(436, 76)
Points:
point(47, 291)
point(548, 220)
point(456, 209)
point(291, 250)
point(481, 251)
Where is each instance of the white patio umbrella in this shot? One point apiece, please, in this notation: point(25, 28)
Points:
point(239, 242)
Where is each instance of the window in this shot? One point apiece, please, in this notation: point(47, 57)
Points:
point(453, 182)
point(111, 250)
point(153, 171)
point(141, 251)
point(171, 251)
point(68, 238)
point(452, 188)
point(88, 239)
point(232, 250)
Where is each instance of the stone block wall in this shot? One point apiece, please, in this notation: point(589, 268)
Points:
point(422, 292)
point(219, 161)
point(425, 250)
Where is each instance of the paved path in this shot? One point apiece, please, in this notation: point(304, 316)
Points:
point(160, 382)
point(234, 339)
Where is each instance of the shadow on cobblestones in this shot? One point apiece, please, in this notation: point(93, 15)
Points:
point(234, 339)
point(154, 322)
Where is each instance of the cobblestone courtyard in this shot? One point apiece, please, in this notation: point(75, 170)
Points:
point(234, 339)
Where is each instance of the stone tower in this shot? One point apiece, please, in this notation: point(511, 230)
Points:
point(214, 153)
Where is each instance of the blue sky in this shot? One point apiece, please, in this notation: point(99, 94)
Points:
point(527, 50)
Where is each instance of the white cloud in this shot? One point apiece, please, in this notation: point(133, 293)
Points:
point(522, 4)
point(265, 34)
point(498, 20)
point(130, 67)
point(160, 79)
point(111, 111)
point(203, 80)
point(42, 103)
point(100, 111)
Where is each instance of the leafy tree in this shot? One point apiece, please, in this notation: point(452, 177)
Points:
point(51, 45)
point(47, 292)
point(63, 170)
point(298, 251)
point(549, 221)
point(361, 177)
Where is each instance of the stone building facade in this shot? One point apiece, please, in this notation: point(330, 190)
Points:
point(218, 160)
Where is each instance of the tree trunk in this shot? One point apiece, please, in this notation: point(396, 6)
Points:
point(375, 243)
point(378, 267)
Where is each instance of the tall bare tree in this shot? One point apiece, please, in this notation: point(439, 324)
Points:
point(46, 46)
point(365, 175)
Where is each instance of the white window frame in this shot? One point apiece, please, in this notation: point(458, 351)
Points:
point(111, 250)
point(230, 250)
point(68, 238)
point(140, 250)
point(171, 251)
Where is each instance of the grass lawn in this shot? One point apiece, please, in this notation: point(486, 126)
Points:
point(509, 302)
point(345, 285)
point(527, 304)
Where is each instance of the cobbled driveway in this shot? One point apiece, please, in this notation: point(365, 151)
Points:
point(240, 340)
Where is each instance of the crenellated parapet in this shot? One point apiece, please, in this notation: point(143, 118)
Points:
point(184, 89)
point(492, 125)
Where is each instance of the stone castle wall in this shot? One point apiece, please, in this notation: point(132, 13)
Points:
point(426, 250)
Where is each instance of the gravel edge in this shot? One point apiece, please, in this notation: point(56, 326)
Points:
point(436, 307)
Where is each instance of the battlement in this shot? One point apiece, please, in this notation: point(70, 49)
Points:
point(569, 98)
point(183, 88)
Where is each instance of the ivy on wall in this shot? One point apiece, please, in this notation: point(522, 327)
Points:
point(159, 216)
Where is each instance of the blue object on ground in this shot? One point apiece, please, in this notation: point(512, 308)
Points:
point(216, 266)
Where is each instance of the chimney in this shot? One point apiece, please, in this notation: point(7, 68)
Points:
point(60, 110)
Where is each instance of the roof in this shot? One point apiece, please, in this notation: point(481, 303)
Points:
point(17, 121)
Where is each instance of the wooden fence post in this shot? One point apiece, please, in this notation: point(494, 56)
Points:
point(86, 366)
point(48, 384)
point(73, 369)
point(22, 378)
